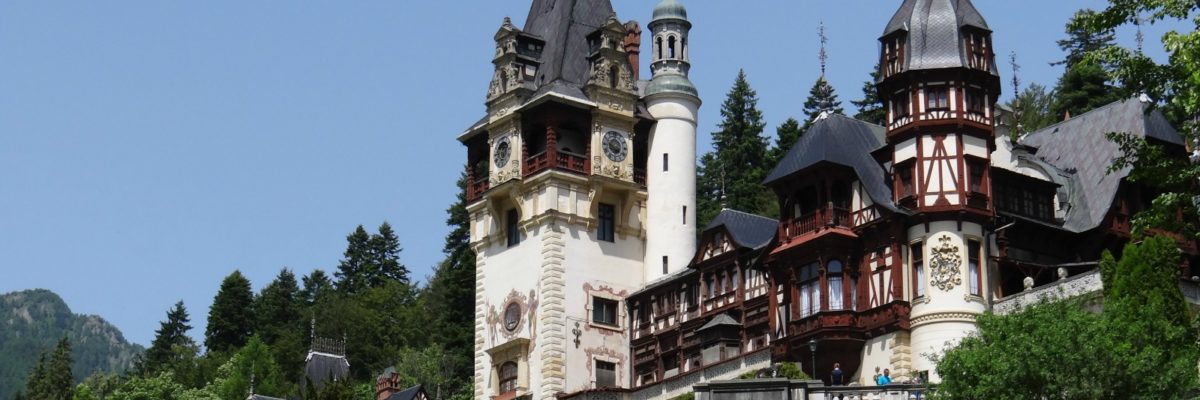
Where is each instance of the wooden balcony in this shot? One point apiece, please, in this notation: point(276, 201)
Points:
point(560, 160)
point(639, 176)
point(477, 188)
point(878, 320)
point(816, 223)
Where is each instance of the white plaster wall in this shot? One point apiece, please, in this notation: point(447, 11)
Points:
point(611, 270)
point(975, 146)
point(906, 150)
point(509, 269)
point(670, 231)
point(942, 317)
point(875, 353)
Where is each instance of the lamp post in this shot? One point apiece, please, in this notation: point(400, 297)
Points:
point(812, 350)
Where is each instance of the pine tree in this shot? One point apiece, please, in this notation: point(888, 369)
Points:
point(870, 108)
point(170, 337)
point(316, 286)
point(731, 175)
point(355, 266)
point(231, 318)
point(449, 299)
point(59, 379)
point(281, 322)
point(1083, 88)
point(786, 135)
point(822, 98)
point(1034, 106)
point(385, 253)
point(36, 384)
point(1080, 40)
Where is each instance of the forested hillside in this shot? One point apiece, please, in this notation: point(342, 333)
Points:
point(33, 321)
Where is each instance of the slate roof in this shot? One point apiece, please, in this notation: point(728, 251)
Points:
point(407, 394)
point(840, 140)
point(1079, 146)
point(933, 26)
point(322, 367)
point(745, 229)
point(720, 320)
point(565, 24)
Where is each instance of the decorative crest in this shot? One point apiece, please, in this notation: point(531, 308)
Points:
point(946, 263)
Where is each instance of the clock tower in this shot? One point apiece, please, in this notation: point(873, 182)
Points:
point(939, 82)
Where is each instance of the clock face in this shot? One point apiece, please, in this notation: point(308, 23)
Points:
point(502, 152)
point(512, 316)
point(614, 146)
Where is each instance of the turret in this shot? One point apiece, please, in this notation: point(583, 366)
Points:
point(674, 102)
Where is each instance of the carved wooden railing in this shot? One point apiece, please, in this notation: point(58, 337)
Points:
point(639, 176)
point(817, 221)
point(572, 162)
point(477, 188)
point(536, 163)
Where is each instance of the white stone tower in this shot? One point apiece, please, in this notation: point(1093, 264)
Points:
point(671, 170)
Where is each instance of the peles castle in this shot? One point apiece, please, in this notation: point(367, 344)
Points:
point(591, 282)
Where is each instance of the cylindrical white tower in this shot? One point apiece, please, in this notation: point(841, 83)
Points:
point(950, 291)
point(671, 169)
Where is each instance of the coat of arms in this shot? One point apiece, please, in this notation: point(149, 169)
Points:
point(944, 265)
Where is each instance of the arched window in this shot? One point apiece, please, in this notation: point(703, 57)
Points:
point(671, 47)
point(683, 48)
point(658, 47)
point(614, 73)
point(833, 275)
point(508, 378)
point(503, 80)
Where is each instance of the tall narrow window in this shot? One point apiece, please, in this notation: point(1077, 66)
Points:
point(973, 263)
point(710, 285)
point(606, 374)
point(684, 215)
point(614, 74)
point(905, 173)
point(900, 108)
point(606, 224)
point(810, 290)
point(671, 47)
point(976, 169)
point(666, 166)
point(664, 265)
point(833, 277)
point(853, 293)
point(659, 47)
point(916, 253)
point(510, 224)
point(508, 378)
point(604, 311)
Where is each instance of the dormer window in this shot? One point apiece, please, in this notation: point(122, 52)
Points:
point(976, 101)
point(900, 106)
point(977, 50)
point(893, 54)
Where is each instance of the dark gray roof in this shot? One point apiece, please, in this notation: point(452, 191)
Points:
point(720, 320)
point(933, 26)
point(408, 394)
point(1079, 145)
point(840, 140)
point(565, 24)
point(323, 367)
point(747, 230)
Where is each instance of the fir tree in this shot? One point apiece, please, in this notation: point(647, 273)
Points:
point(1080, 40)
point(731, 175)
point(450, 296)
point(231, 318)
point(1083, 88)
point(170, 337)
point(870, 108)
point(355, 266)
point(51, 378)
point(786, 135)
point(316, 286)
point(822, 98)
point(279, 310)
point(385, 252)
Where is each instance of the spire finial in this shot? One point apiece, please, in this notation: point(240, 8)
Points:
point(1141, 38)
point(824, 40)
point(1016, 83)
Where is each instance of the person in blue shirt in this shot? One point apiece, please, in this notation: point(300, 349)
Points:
point(885, 378)
point(835, 377)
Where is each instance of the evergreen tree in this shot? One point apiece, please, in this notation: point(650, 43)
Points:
point(36, 385)
point(822, 98)
point(731, 175)
point(870, 108)
point(385, 253)
point(281, 323)
point(355, 266)
point(1083, 88)
point(786, 135)
point(449, 298)
point(171, 337)
point(1080, 40)
point(316, 286)
point(254, 366)
point(60, 380)
point(231, 318)
point(1032, 108)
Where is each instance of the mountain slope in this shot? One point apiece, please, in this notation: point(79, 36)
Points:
point(32, 321)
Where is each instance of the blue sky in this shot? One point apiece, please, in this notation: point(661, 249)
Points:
point(148, 148)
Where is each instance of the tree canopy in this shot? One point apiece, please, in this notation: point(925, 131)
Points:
point(730, 176)
point(231, 318)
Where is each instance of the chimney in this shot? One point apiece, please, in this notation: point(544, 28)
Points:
point(633, 48)
point(1067, 115)
point(388, 384)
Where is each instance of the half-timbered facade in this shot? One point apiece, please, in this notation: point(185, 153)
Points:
point(890, 239)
